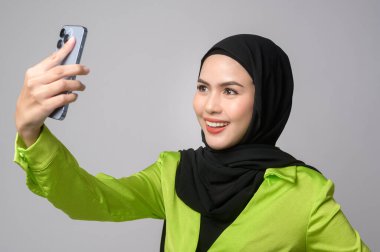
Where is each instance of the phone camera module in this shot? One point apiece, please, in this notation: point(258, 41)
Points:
point(65, 38)
point(59, 44)
point(62, 33)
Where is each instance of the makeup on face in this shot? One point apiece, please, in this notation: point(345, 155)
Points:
point(215, 126)
point(223, 102)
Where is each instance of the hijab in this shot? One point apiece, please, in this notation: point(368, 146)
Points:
point(219, 183)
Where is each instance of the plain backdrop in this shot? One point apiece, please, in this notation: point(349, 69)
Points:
point(144, 60)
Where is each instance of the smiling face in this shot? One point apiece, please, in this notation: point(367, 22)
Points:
point(223, 102)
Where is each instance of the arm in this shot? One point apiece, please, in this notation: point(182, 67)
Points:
point(53, 173)
point(329, 229)
point(43, 92)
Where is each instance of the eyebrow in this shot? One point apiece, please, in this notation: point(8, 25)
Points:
point(228, 83)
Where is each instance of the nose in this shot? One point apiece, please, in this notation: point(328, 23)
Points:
point(213, 105)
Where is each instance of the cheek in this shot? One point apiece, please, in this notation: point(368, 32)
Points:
point(197, 105)
point(241, 111)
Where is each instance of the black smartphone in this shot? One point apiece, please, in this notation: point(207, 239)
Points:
point(66, 32)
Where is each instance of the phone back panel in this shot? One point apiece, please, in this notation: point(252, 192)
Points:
point(80, 33)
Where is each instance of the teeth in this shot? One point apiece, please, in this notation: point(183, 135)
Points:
point(216, 124)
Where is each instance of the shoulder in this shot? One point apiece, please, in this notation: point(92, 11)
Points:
point(297, 174)
point(313, 180)
point(169, 157)
point(308, 175)
point(304, 181)
point(168, 162)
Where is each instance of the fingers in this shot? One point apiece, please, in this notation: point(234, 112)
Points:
point(57, 57)
point(44, 88)
point(61, 86)
point(59, 72)
point(61, 100)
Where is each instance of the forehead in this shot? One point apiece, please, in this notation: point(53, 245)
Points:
point(221, 68)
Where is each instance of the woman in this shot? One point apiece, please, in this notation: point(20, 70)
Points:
point(238, 193)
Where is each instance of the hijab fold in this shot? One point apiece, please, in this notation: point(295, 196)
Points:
point(219, 183)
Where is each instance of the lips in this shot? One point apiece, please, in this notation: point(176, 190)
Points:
point(215, 126)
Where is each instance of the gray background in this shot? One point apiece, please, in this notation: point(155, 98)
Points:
point(144, 57)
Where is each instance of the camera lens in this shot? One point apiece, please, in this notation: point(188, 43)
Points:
point(59, 44)
point(65, 38)
point(62, 33)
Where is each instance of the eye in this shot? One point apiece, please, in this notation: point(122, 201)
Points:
point(201, 88)
point(229, 91)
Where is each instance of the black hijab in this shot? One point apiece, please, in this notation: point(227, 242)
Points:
point(219, 183)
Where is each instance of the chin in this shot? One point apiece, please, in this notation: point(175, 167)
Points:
point(218, 145)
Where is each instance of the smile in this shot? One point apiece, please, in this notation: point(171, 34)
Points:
point(216, 127)
point(216, 124)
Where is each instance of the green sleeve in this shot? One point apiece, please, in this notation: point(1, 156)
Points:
point(329, 229)
point(52, 172)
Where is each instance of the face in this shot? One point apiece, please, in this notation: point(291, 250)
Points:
point(223, 102)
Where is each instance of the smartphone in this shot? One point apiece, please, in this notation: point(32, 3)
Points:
point(66, 32)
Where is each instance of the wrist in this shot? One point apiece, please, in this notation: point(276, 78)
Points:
point(29, 135)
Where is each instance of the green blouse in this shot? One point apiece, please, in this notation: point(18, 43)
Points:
point(293, 210)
